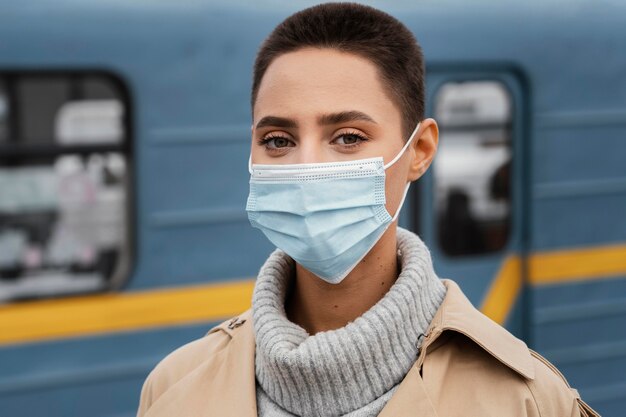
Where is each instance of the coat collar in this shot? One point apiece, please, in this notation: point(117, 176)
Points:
point(223, 385)
point(457, 314)
point(227, 380)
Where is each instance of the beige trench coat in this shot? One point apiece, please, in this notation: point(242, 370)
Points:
point(468, 366)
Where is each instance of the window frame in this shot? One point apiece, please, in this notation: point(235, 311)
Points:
point(514, 82)
point(26, 153)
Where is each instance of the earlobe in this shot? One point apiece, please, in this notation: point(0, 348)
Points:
point(423, 167)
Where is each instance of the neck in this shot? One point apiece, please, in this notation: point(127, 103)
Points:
point(317, 305)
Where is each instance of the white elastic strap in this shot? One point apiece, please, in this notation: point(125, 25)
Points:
point(406, 145)
point(250, 164)
point(343, 275)
point(406, 190)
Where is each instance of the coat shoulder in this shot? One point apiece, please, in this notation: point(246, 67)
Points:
point(552, 392)
point(470, 354)
point(459, 367)
point(185, 359)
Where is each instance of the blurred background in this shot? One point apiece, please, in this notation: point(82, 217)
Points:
point(124, 141)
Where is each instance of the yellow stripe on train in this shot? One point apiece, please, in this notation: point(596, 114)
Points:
point(104, 313)
point(87, 315)
point(577, 264)
point(551, 267)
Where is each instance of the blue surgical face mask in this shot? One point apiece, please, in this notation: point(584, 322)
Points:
point(326, 216)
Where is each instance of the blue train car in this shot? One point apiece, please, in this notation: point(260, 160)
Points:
point(124, 141)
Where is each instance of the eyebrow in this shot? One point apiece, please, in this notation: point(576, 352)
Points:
point(276, 121)
point(324, 119)
point(342, 117)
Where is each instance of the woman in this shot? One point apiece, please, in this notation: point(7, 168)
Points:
point(348, 316)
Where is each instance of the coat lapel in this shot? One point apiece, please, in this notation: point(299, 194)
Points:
point(410, 399)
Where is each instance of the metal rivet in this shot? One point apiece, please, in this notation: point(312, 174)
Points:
point(232, 322)
point(235, 322)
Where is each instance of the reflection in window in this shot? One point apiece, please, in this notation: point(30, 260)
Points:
point(472, 169)
point(63, 185)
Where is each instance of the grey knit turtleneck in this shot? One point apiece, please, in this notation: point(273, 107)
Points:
point(351, 371)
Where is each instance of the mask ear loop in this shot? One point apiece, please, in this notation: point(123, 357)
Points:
point(406, 191)
point(250, 164)
point(393, 161)
point(406, 145)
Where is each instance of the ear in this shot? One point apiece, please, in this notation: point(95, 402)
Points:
point(424, 148)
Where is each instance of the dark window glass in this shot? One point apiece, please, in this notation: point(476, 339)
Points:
point(472, 169)
point(64, 168)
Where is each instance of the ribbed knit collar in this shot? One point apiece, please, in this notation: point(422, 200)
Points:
point(344, 370)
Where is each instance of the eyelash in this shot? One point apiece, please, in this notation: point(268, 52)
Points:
point(356, 134)
point(266, 140)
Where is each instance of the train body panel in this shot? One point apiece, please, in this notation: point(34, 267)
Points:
point(552, 262)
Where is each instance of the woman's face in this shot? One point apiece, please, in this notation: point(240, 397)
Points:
point(323, 105)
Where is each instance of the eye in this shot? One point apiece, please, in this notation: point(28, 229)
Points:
point(349, 139)
point(276, 142)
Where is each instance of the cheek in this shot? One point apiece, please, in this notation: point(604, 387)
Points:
point(255, 152)
point(395, 183)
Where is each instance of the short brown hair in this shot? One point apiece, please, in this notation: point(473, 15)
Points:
point(364, 31)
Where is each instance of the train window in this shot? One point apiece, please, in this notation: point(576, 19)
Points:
point(472, 167)
point(64, 184)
